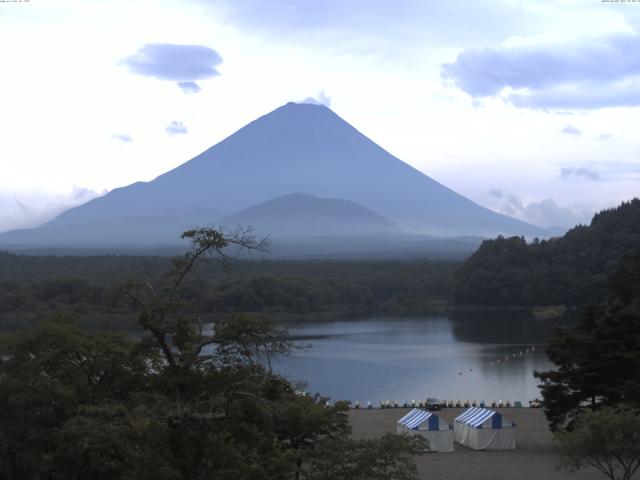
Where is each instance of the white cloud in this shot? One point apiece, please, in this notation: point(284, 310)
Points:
point(570, 130)
point(585, 74)
point(29, 209)
point(320, 99)
point(544, 213)
point(189, 87)
point(122, 137)
point(181, 63)
point(176, 128)
point(579, 173)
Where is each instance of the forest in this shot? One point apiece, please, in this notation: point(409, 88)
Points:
point(569, 270)
point(175, 402)
point(36, 287)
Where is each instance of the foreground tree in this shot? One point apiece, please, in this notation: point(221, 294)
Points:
point(386, 458)
point(598, 363)
point(598, 360)
point(58, 382)
point(606, 439)
point(179, 403)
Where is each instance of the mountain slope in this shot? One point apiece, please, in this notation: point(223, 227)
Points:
point(296, 148)
point(301, 215)
point(573, 269)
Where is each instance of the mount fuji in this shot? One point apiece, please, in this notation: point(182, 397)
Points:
point(299, 170)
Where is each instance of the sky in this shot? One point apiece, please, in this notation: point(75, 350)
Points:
point(530, 108)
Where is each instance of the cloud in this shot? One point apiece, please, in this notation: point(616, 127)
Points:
point(122, 137)
point(25, 210)
point(544, 213)
point(176, 128)
point(580, 96)
point(570, 130)
point(189, 87)
point(604, 137)
point(609, 171)
point(378, 25)
point(594, 73)
point(496, 193)
point(579, 173)
point(320, 99)
point(180, 63)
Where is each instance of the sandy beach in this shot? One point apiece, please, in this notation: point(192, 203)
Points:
point(533, 459)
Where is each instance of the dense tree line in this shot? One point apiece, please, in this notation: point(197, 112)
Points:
point(177, 403)
point(88, 287)
point(570, 270)
point(592, 397)
point(598, 359)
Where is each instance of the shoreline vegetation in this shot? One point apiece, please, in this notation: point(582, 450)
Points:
point(32, 288)
point(287, 292)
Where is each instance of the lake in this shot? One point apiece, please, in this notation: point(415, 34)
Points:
point(472, 356)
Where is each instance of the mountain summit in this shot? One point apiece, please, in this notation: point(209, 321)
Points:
point(296, 148)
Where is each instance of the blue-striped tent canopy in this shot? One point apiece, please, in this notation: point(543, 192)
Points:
point(484, 429)
point(478, 417)
point(422, 420)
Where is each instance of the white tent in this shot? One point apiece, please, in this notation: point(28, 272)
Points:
point(483, 429)
point(433, 428)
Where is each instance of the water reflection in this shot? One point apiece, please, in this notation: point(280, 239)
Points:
point(412, 358)
point(516, 326)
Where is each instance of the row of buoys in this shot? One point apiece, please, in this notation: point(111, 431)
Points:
point(513, 356)
point(508, 357)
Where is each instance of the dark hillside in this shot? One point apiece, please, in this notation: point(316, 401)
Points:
point(571, 270)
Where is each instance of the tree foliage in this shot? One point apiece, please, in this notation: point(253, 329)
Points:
point(181, 402)
point(570, 270)
point(37, 287)
point(387, 458)
point(607, 439)
point(598, 360)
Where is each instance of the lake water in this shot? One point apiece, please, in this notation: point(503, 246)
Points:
point(469, 357)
